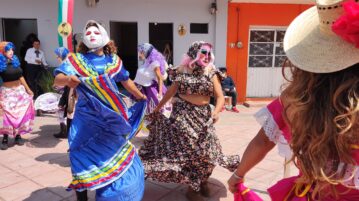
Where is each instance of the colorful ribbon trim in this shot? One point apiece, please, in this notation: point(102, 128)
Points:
point(102, 87)
point(84, 68)
point(81, 65)
point(102, 175)
point(100, 84)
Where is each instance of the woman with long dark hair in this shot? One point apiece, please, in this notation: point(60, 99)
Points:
point(317, 115)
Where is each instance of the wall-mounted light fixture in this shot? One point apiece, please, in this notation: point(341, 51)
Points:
point(213, 8)
point(92, 3)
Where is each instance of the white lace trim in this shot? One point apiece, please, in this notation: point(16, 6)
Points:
point(350, 180)
point(272, 131)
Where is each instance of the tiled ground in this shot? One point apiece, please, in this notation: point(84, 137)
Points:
point(39, 171)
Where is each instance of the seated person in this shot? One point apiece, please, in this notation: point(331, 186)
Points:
point(229, 89)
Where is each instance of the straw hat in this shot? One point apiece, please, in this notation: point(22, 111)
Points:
point(311, 45)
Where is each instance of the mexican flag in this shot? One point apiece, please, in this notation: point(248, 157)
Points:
point(66, 11)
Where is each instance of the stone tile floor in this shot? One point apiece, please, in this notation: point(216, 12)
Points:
point(39, 170)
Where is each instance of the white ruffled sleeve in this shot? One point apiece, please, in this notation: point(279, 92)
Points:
point(351, 176)
point(273, 132)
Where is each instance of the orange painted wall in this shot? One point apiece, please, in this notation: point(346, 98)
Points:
point(240, 17)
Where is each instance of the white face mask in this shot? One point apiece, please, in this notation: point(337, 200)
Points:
point(93, 38)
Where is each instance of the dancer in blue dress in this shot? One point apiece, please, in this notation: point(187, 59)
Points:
point(102, 157)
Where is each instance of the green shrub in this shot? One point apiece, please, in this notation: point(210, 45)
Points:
point(47, 80)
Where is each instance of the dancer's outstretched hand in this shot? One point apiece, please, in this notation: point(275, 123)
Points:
point(73, 81)
point(232, 182)
point(215, 117)
point(30, 92)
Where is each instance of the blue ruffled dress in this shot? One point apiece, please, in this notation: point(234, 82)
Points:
point(102, 157)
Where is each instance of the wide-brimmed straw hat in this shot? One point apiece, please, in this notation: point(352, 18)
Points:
point(311, 44)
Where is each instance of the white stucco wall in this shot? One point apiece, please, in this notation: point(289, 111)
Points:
point(141, 11)
point(220, 42)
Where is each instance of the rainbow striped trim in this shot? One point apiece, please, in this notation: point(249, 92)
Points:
point(81, 65)
point(101, 85)
point(111, 171)
point(84, 68)
point(114, 67)
point(104, 89)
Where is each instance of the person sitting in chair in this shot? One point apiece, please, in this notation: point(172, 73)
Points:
point(229, 89)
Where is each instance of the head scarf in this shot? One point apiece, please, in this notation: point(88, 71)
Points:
point(62, 52)
point(103, 32)
point(193, 53)
point(146, 49)
point(152, 55)
point(4, 47)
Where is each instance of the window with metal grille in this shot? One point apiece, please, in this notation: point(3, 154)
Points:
point(266, 48)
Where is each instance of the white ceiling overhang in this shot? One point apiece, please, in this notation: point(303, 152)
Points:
point(275, 1)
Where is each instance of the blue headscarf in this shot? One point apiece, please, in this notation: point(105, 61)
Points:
point(62, 52)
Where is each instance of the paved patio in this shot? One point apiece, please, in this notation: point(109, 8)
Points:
point(39, 170)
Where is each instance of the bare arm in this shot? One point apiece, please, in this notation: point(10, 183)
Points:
point(159, 79)
point(218, 94)
point(27, 88)
point(131, 87)
point(66, 80)
point(256, 150)
point(172, 90)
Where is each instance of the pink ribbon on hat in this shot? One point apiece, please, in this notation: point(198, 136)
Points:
point(347, 26)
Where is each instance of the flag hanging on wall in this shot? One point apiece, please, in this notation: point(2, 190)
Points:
point(64, 29)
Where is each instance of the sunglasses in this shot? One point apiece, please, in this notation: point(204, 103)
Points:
point(206, 52)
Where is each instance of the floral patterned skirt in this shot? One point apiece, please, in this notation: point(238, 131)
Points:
point(183, 148)
point(17, 111)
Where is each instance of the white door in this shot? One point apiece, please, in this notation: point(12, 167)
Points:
point(265, 61)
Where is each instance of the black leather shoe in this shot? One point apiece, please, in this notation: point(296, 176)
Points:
point(81, 196)
point(19, 141)
point(62, 133)
point(4, 146)
point(38, 113)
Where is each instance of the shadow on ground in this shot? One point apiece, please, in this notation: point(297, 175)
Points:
point(57, 193)
point(60, 159)
point(45, 138)
point(217, 189)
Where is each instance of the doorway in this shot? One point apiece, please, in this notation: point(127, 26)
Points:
point(161, 37)
point(265, 61)
point(16, 31)
point(126, 38)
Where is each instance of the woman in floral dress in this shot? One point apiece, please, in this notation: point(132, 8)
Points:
point(184, 148)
